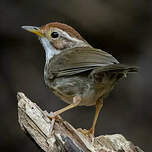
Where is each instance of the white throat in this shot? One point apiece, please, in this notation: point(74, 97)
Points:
point(49, 50)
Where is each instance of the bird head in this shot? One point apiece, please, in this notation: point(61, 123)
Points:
point(56, 37)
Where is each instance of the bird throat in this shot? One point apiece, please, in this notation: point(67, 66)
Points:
point(50, 51)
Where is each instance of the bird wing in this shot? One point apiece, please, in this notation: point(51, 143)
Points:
point(77, 60)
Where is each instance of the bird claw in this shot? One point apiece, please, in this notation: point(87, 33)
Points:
point(87, 133)
point(52, 116)
point(52, 126)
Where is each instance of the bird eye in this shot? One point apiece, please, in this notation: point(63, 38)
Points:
point(54, 35)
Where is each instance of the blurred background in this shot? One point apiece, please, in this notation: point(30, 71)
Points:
point(122, 28)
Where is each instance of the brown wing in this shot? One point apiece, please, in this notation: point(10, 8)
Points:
point(77, 60)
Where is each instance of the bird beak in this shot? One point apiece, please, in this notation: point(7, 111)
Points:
point(33, 29)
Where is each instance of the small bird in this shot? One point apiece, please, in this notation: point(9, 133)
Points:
point(75, 71)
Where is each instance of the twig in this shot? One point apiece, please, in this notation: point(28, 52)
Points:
point(65, 138)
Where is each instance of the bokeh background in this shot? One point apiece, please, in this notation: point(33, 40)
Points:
point(122, 28)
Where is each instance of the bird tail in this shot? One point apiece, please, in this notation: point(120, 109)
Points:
point(113, 72)
point(116, 68)
point(120, 71)
point(120, 68)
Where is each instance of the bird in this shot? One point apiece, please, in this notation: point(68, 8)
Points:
point(75, 71)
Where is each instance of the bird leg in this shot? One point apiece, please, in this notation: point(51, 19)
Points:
point(99, 105)
point(53, 115)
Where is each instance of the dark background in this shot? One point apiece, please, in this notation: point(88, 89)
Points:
point(122, 28)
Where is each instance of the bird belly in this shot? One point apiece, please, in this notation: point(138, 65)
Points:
point(68, 87)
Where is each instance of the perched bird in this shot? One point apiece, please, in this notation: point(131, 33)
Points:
point(75, 71)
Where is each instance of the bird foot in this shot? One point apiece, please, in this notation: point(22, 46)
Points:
point(52, 116)
point(88, 133)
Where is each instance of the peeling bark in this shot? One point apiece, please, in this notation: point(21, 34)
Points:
point(65, 137)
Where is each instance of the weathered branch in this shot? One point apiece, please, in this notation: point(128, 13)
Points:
point(65, 138)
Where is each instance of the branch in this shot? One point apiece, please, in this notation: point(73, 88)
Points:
point(65, 138)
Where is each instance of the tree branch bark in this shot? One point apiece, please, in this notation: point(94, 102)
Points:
point(65, 138)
